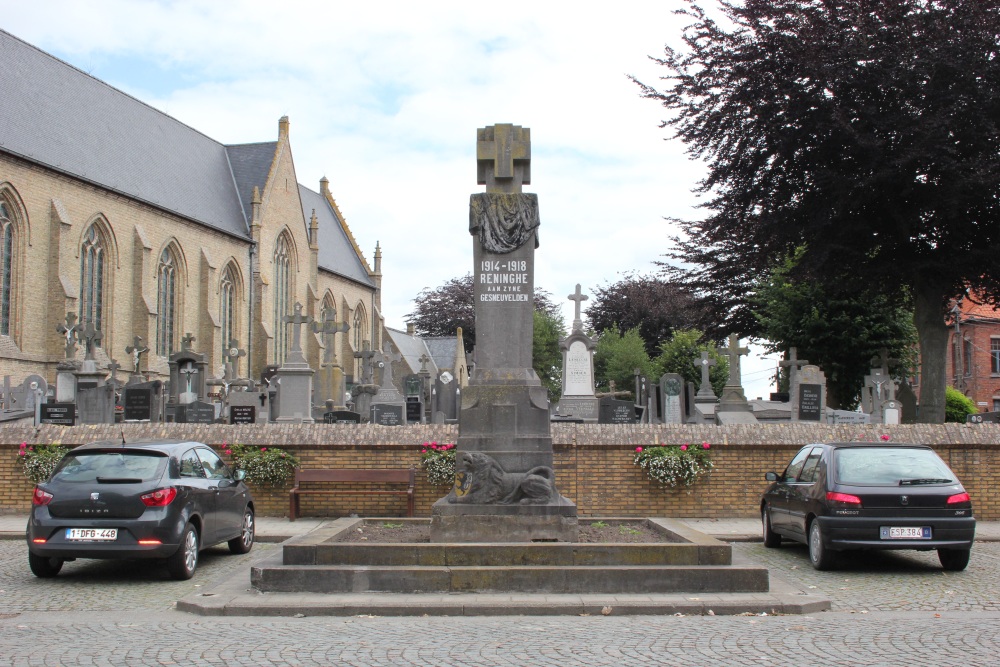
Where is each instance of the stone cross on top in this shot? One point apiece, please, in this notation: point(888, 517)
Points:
point(389, 355)
point(186, 342)
point(136, 349)
point(735, 352)
point(71, 332)
point(232, 355)
point(423, 364)
point(365, 355)
point(329, 329)
point(705, 363)
point(297, 320)
point(578, 298)
point(503, 157)
point(792, 364)
point(91, 336)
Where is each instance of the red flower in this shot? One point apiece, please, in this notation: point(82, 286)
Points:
point(423, 451)
point(684, 448)
point(434, 444)
point(705, 445)
point(263, 449)
point(227, 451)
point(885, 438)
point(638, 449)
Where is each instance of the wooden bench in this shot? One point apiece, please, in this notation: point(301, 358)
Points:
point(315, 477)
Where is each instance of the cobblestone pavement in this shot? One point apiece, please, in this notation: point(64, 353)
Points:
point(889, 609)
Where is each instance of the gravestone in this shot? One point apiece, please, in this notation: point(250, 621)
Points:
point(705, 392)
point(295, 377)
point(66, 369)
point(505, 487)
point(334, 385)
point(810, 392)
point(195, 412)
point(578, 400)
point(247, 403)
point(342, 417)
point(907, 403)
point(614, 411)
point(413, 388)
point(388, 400)
point(446, 396)
point(242, 414)
point(188, 373)
point(733, 406)
point(95, 405)
point(62, 414)
point(672, 389)
point(847, 417)
point(793, 364)
point(141, 401)
point(364, 390)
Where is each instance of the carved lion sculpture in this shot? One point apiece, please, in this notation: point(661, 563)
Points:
point(481, 480)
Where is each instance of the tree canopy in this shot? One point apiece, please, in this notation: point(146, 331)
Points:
point(840, 330)
point(617, 357)
point(656, 306)
point(864, 131)
point(681, 353)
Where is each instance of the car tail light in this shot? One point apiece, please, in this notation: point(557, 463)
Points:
point(959, 498)
point(38, 540)
point(842, 498)
point(159, 498)
point(41, 497)
point(150, 543)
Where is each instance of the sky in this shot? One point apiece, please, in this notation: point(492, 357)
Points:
point(384, 100)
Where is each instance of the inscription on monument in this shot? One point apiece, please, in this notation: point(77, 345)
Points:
point(809, 402)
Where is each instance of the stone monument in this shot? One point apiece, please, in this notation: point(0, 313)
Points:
point(578, 399)
point(733, 406)
point(505, 487)
point(295, 377)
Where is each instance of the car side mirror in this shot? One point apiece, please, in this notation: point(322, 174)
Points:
point(240, 475)
point(771, 476)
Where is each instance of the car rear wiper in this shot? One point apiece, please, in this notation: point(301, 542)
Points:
point(925, 480)
point(119, 480)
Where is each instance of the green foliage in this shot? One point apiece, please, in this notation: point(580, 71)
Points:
point(618, 356)
point(39, 461)
point(957, 405)
point(264, 466)
point(439, 462)
point(546, 357)
point(673, 465)
point(681, 354)
point(840, 330)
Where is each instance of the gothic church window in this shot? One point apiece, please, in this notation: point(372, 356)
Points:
point(227, 307)
point(166, 302)
point(93, 270)
point(282, 296)
point(360, 329)
point(8, 247)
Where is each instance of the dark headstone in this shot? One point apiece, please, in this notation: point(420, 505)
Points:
point(414, 409)
point(197, 412)
point(780, 396)
point(810, 402)
point(387, 414)
point(63, 414)
point(138, 403)
point(342, 417)
point(613, 411)
point(242, 414)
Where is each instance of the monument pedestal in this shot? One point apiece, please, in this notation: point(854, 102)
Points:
point(295, 394)
point(553, 522)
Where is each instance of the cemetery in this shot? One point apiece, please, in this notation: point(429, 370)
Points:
point(527, 468)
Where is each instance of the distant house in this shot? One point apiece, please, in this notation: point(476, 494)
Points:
point(973, 365)
point(143, 226)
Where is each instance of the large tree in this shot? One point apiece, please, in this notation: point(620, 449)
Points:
point(657, 307)
point(863, 130)
point(441, 310)
point(841, 330)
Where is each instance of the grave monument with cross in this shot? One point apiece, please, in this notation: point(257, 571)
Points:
point(366, 387)
point(136, 350)
point(66, 369)
point(388, 406)
point(188, 377)
point(295, 377)
point(733, 407)
point(504, 424)
point(793, 364)
point(578, 400)
point(334, 386)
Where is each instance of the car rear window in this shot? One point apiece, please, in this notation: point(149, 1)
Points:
point(891, 465)
point(110, 467)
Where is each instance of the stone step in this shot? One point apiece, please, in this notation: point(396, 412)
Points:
point(496, 555)
point(526, 579)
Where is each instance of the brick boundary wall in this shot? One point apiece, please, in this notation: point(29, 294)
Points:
point(593, 462)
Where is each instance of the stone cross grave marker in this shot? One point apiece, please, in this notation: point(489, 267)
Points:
point(705, 392)
point(329, 328)
point(365, 355)
point(91, 336)
point(297, 319)
point(186, 342)
point(577, 298)
point(232, 356)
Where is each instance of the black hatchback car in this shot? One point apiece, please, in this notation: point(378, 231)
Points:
point(166, 500)
point(843, 496)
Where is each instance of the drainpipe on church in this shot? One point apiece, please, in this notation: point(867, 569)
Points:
point(253, 247)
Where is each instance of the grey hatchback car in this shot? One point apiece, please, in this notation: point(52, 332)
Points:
point(858, 495)
point(166, 500)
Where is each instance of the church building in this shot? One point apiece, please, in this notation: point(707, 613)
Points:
point(131, 221)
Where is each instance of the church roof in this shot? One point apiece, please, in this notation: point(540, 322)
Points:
point(336, 251)
point(56, 115)
point(251, 163)
point(412, 348)
point(442, 349)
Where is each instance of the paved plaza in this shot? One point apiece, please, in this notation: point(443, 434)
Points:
point(887, 609)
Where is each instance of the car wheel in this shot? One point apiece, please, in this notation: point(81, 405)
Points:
point(243, 543)
point(43, 567)
point(771, 538)
point(185, 561)
point(954, 560)
point(819, 555)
